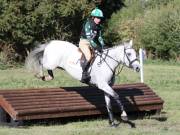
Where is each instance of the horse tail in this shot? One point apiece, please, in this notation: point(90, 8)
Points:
point(33, 62)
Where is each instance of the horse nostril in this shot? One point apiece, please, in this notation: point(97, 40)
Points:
point(137, 69)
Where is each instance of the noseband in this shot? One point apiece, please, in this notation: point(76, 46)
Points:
point(130, 62)
point(123, 64)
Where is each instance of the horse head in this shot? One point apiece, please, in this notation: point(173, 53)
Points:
point(130, 57)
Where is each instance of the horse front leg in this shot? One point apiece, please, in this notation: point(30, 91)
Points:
point(109, 109)
point(107, 89)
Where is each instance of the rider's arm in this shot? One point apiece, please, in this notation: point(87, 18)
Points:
point(89, 34)
point(100, 39)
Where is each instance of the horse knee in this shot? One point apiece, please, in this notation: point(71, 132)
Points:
point(107, 89)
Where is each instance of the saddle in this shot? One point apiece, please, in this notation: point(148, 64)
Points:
point(83, 58)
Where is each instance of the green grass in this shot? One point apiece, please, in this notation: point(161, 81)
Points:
point(163, 78)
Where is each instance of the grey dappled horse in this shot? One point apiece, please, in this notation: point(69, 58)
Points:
point(67, 56)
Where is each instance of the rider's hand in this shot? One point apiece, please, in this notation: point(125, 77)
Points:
point(99, 49)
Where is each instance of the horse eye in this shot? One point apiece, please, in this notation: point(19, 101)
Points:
point(129, 54)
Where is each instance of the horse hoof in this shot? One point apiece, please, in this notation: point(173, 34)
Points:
point(113, 124)
point(124, 118)
point(43, 78)
point(46, 78)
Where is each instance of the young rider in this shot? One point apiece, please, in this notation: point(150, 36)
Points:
point(91, 39)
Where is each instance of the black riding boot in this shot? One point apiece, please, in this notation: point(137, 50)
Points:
point(85, 76)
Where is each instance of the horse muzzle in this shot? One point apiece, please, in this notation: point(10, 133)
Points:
point(135, 65)
point(137, 69)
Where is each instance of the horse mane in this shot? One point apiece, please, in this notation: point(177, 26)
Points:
point(114, 46)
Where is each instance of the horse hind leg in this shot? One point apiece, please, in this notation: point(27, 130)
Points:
point(49, 77)
point(40, 74)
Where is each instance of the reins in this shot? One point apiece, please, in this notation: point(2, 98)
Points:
point(104, 60)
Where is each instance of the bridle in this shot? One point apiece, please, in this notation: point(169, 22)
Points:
point(130, 62)
point(119, 62)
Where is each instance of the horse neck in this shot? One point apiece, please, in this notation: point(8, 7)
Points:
point(117, 55)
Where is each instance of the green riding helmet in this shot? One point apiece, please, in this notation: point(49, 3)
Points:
point(97, 13)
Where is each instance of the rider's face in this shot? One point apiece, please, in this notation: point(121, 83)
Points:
point(97, 20)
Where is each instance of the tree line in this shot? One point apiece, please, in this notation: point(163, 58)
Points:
point(26, 23)
point(153, 24)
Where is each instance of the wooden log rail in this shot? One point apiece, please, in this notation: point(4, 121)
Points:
point(28, 104)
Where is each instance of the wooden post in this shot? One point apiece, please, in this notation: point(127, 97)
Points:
point(141, 65)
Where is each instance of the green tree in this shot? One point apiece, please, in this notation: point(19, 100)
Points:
point(153, 24)
point(25, 23)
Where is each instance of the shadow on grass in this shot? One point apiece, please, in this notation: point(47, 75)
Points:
point(63, 121)
point(161, 117)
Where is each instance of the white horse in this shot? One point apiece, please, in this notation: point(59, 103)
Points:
point(67, 56)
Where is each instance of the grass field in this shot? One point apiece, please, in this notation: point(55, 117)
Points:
point(163, 78)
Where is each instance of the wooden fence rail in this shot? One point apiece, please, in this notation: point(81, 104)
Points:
point(28, 104)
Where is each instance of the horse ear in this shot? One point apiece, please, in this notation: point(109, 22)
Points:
point(131, 43)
